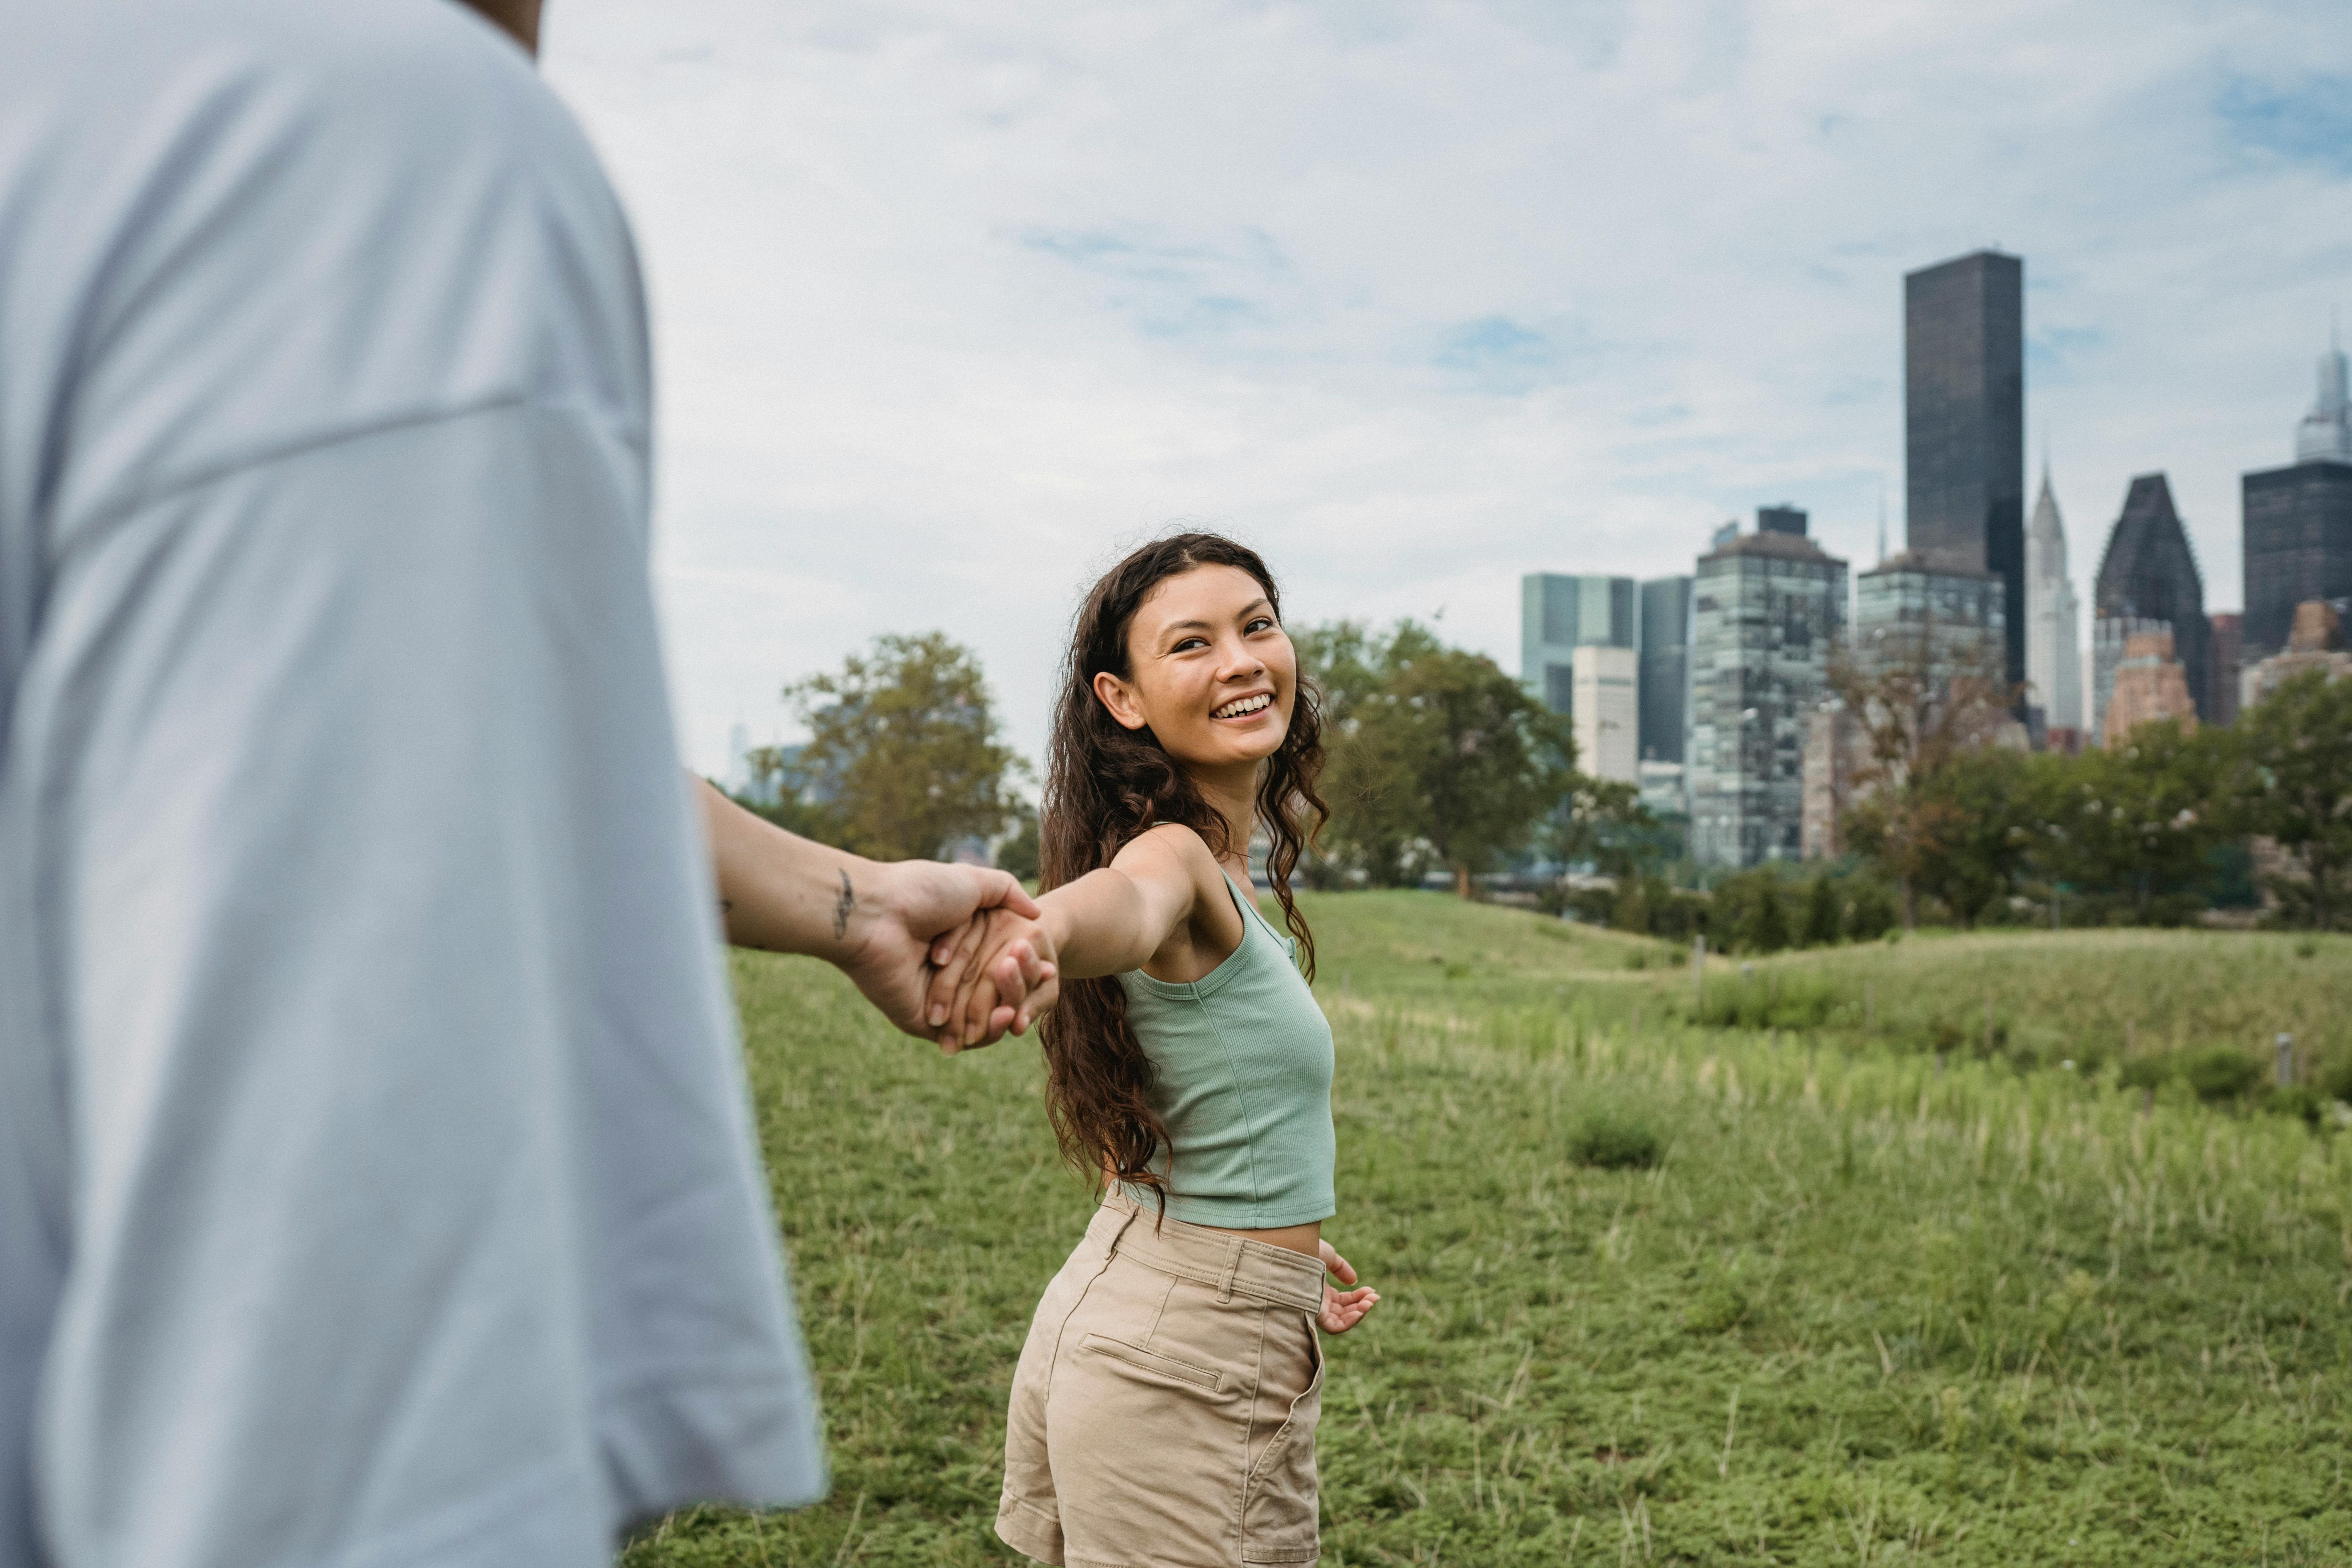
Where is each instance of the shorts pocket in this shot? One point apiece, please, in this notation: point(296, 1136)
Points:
point(1145, 1360)
point(1279, 1498)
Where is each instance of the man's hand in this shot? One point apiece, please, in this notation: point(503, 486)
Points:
point(876, 920)
point(894, 912)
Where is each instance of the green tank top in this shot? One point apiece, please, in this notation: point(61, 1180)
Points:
point(1241, 1076)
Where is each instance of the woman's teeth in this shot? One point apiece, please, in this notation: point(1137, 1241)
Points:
point(1245, 705)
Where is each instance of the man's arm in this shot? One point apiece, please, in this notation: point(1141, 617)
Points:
point(875, 920)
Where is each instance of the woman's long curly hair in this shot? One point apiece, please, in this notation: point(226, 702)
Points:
point(1104, 784)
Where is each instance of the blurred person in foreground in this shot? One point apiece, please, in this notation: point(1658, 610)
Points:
point(377, 1185)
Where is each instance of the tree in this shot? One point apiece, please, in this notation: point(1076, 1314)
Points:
point(903, 757)
point(1921, 707)
point(2292, 786)
point(1822, 922)
point(1601, 823)
point(1985, 835)
point(2135, 819)
point(1437, 756)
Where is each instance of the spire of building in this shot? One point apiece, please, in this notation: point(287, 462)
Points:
point(2325, 433)
point(2054, 656)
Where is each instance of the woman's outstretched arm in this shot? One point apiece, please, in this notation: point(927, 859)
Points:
point(1107, 922)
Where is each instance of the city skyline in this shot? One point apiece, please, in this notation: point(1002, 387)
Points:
point(947, 308)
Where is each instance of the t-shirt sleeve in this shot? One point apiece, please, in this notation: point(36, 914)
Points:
point(411, 1162)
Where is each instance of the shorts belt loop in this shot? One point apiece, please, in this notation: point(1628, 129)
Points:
point(1233, 1266)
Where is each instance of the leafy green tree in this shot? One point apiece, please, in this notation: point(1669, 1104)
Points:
point(2294, 787)
point(903, 756)
point(2137, 819)
point(1749, 911)
point(1601, 823)
point(1437, 756)
point(1821, 913)
point(1019, 853)
point(1986, 834)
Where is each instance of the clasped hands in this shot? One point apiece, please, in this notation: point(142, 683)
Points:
point(995, 973)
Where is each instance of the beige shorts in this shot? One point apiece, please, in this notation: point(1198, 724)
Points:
point(1164, 1410)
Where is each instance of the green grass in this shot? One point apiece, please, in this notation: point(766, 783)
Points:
point(1861, 1309)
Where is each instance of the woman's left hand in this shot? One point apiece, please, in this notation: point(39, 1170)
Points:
point(1342, 1309)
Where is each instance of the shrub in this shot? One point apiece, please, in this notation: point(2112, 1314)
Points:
point(2335, 1079)
point(1821, 922)
point(1716, 1310)
point(1872, 914)
point(2220, 1073)
point(2145, 1072)
point(1612, 1139)
point(2297, 1100)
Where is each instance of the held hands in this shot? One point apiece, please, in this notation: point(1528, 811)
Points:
point(1342, 1309)
point(901, 909)
point(996, 972)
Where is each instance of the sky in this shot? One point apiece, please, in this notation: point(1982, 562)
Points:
point(954, 303)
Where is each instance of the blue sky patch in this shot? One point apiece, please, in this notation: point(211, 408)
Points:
point(2310, 122)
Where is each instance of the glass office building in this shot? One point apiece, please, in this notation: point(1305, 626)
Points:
point(1768, 610)
point(1963, 424)
point(1559, 614)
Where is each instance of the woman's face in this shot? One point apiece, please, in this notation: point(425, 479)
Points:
point(1211, 672)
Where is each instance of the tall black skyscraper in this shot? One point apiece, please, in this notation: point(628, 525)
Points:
point(1964, 422)
point(2149, 573)
point(2298, 520)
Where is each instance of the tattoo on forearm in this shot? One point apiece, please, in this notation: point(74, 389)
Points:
point(726, 906)
point(841, 908)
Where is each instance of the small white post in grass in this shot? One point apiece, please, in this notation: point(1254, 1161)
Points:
point(2285, 1060)
point(1987, 1025)
point(1698, 971)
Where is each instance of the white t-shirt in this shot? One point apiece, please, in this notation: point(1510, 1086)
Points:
point(376, 1181)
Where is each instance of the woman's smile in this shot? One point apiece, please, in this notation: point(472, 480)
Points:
point(1249, 706)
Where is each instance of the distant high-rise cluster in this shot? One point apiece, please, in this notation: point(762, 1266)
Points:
point(1728, 672)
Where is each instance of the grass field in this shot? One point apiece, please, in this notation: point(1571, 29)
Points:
point(1866, 1308)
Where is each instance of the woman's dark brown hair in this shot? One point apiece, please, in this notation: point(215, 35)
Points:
point(1104, 784)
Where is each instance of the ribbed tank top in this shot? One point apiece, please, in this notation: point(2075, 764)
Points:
point(1241, 1076)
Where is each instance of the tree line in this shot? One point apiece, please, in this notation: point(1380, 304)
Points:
point(1441, 763)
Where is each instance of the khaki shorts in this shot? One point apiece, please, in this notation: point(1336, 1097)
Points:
point(1164, 1410)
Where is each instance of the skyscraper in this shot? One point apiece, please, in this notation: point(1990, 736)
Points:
point(2148, 573)
point(1934, 615)
point(2229, 665)
point(1607, 712)
point(1964, 423)
point(1767, 609)
point(2326, 434)
point(1666, 667)
point(2054, 631)
point(2298, 520)
point(1559, 614)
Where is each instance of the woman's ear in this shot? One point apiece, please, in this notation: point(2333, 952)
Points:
point(1119, 698)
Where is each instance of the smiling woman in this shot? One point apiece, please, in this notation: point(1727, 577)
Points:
point(1165, 1406)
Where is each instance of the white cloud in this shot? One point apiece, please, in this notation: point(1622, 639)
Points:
point(951, 302)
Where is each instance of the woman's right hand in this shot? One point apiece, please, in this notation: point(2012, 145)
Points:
point(1342, 1309)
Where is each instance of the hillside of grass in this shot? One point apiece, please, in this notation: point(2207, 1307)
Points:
point(1664, 1293)
point(2053, 997)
